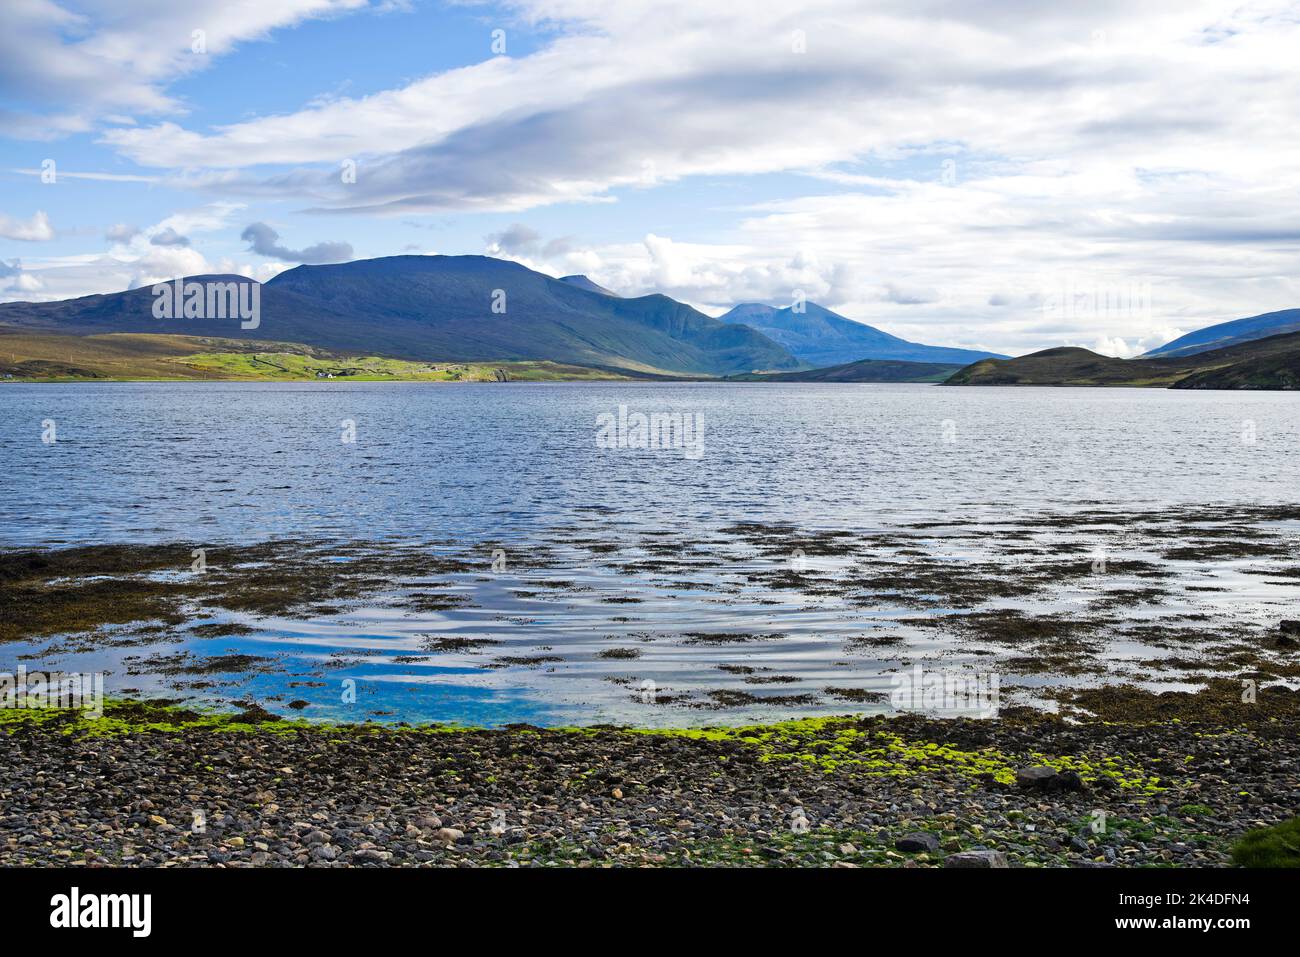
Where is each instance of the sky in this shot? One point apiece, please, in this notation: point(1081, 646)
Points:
point(1008, 175)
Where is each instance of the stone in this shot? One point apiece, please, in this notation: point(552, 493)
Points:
point(1069, 781)
point(1039, 778)
point(974, 859)
point(918, 841)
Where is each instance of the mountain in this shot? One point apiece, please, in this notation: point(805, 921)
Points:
point(582, 282)
point(1271, 363)
point(1231, 333)
point(823, 338)
point(442, 308)
point(864, 370)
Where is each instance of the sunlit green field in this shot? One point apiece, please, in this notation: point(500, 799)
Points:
point(28, 357)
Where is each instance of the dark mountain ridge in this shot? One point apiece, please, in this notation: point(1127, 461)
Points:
point(458, 308)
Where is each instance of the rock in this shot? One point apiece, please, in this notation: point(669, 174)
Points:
point(430, 822)
point(158, 819)
point(1079, 844)
point(1288, 627)
point(1069, 781)
point(970, 859)
point(1037, 778)
point(918, 841)
point(325, 852)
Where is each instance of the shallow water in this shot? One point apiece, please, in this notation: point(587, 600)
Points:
point(631, 550)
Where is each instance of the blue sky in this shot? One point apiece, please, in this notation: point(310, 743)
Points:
point(998, 175)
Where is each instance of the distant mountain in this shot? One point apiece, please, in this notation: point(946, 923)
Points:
point(1271, 363)
point(823, 338)
point(442, 308)
point(1231, 333)
point(865, 370)
point(582, 282)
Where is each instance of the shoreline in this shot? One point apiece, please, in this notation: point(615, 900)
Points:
point(150, 784)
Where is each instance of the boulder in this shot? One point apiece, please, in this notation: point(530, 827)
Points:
point(1038, 778)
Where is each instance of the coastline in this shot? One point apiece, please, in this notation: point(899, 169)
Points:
point(150, 784)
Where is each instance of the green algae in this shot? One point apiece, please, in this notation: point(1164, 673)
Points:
point(131, 716)
point(828, 745)
point(833, 744)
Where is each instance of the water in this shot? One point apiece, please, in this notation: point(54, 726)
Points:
point(467, 468)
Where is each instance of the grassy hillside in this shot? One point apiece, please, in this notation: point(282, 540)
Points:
point(1071, 366)
point(140, 356)
point(1272, 363)
point(867, 370)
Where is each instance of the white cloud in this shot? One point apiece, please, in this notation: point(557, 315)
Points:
point(34, 230)
point(135, 257)
point(960, 162)
point(73, 64)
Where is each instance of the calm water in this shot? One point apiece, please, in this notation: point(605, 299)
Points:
point(456, 466)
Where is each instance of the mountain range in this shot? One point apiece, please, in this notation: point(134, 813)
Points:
point(823, 338)
point(477, 309)
point(481, 309)
point(447, 308)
